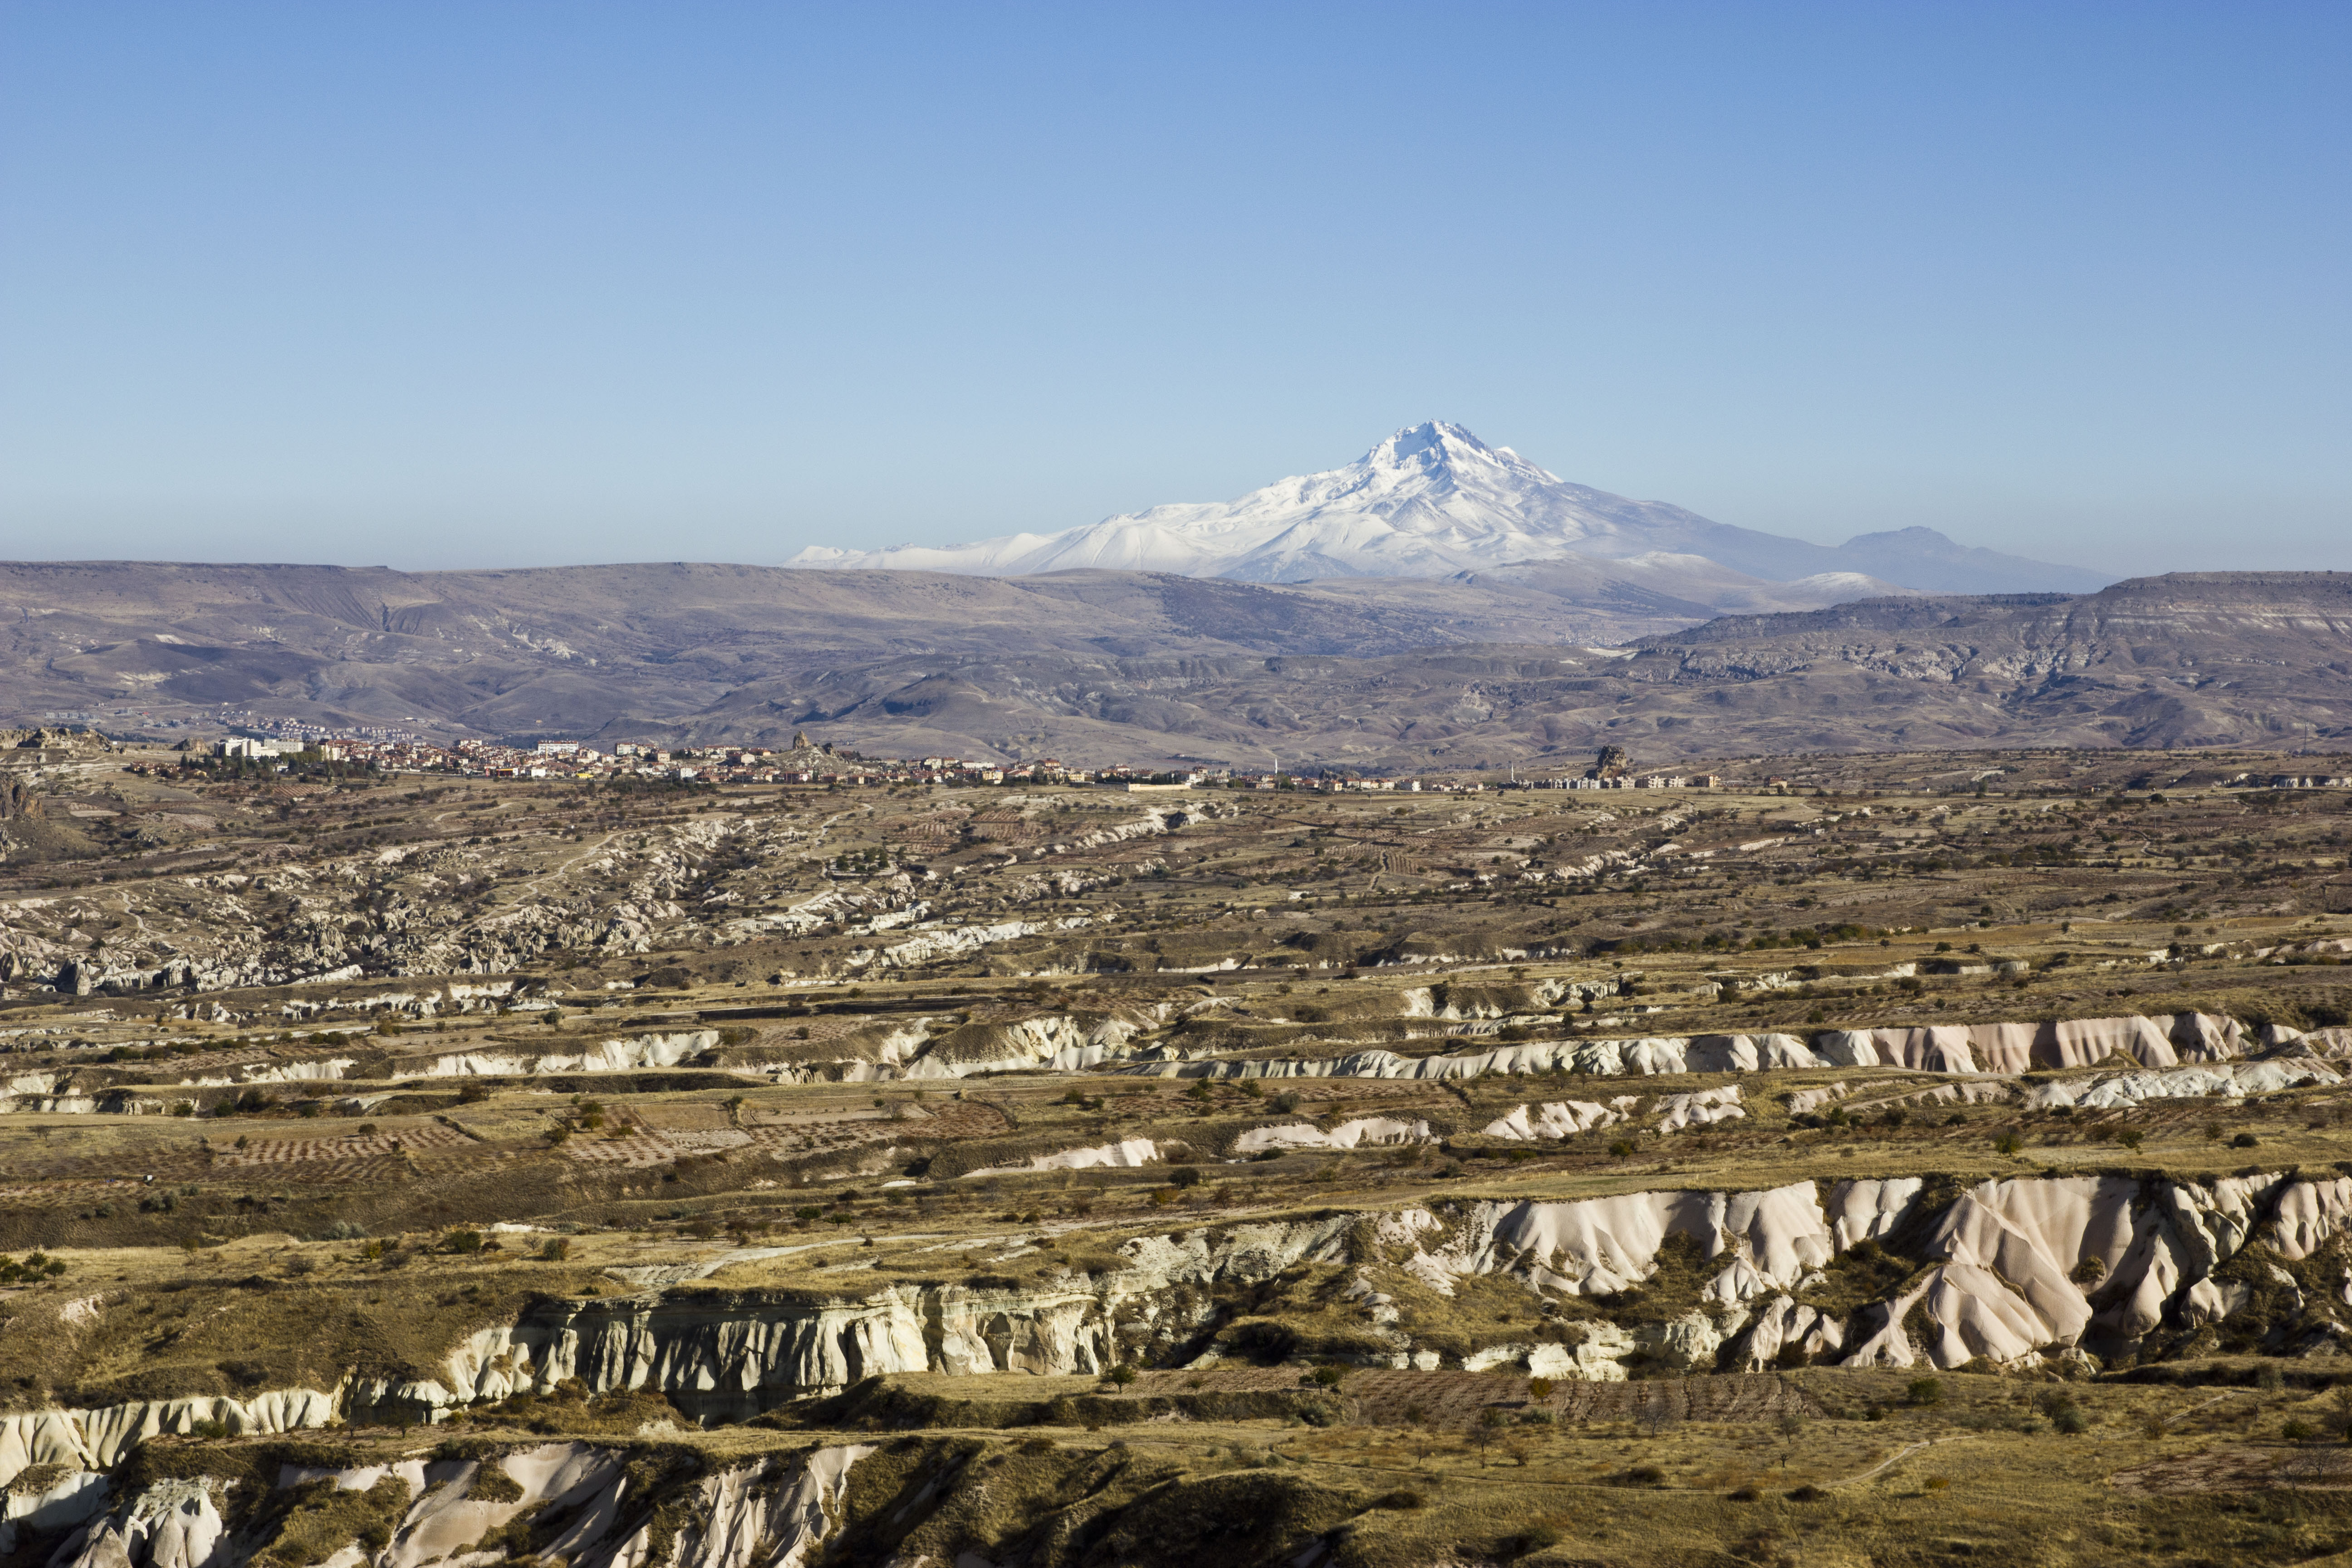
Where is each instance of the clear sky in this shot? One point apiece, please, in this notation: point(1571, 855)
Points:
point(510, 284)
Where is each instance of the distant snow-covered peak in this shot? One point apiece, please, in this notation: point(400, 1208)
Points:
point(1429, 500)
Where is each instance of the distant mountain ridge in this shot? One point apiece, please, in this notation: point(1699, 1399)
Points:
point(1101, 667)
point(1433, 500)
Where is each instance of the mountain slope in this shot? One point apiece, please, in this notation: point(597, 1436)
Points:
point(1433, 500)
point(2194, 659)
point(1110, 666)
point(585, 650)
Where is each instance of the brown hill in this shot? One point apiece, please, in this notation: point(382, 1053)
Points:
point(1126, 665)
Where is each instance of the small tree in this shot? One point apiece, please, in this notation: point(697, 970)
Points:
point(1489, 1423)
point(1791, 1426)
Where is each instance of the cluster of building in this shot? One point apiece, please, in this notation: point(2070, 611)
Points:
point(806, 763)
point(1627, 781)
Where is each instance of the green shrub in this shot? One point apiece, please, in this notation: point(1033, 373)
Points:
point(2069, 1418)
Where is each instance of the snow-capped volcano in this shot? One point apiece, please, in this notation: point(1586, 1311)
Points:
point(1433, 501)
point(1428, 502)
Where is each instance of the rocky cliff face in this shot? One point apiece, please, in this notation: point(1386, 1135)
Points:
point(2164, 1041)
point(594, 1506)
point(2185, 1053)
point(2009, 1272)
point(727, 1356)
point(98, 1439)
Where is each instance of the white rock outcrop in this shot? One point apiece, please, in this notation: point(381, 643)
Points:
point(1555, 1119)
point(98, 1440)
point(1699, 1108)
point(1783, 1323)
point(2165, 1040)
point(2032, 1264)
point(1358, 1132)
point(73, 1498)
point(955, 941)
point(1765, 1240)
point(1126, 1154)
point(1051, 1042)
point(1869, 1209)
point(2231, 1080)
point(771, 1511)
point(629, 1055)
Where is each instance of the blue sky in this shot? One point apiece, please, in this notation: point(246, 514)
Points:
point(464, 285)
